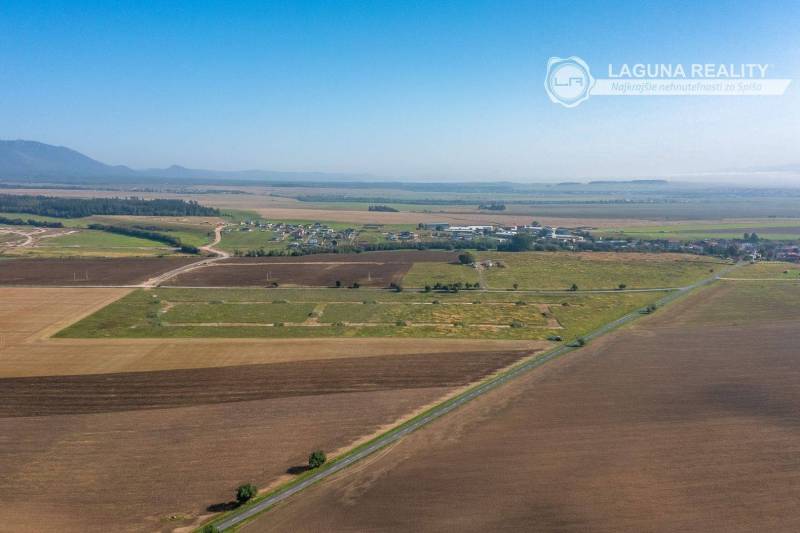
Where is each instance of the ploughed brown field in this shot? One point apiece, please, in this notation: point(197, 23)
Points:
point(93, 393)
point(90, 442)
point(685, 421)
point(133, 470)
point(371, 269)
point(86, 272)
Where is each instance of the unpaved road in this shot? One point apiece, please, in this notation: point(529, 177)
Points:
point(209, 248)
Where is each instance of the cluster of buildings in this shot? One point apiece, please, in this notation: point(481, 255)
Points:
point(300, 235)
point(502, 233)
point(788, 253)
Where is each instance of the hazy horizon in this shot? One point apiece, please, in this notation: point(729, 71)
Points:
point(446, 92)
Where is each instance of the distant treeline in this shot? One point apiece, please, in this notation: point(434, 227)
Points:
point(30, 222)
point(466, 202)
point(369, 247)
point(493, 206)
point(52, 206)
point(384, 208)
point(147, 234)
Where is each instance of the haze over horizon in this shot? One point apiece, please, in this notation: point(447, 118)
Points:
point(444, 92)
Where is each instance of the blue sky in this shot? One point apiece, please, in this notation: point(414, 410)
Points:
point(418, 90)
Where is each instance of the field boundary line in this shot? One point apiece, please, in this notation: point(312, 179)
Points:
point(232, 519)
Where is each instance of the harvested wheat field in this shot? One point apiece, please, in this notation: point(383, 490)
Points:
point(686, 421)
point(372, 269)
point(86, 272)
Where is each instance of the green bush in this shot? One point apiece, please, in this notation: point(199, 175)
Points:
point(245, 493)
point(317, 459)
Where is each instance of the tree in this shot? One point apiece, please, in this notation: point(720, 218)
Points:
point(467, 258)
point(210, 528)
point(574, 287)
point(621, 286)
point(338, 283)
point(317, 459)
point(520, 242)
point(245, 493)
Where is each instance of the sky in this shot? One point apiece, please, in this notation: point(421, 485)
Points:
point(404, 90)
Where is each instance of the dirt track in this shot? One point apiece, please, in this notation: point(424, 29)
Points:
point(664, 426)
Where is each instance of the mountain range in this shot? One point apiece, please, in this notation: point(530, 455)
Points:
point(35, 161)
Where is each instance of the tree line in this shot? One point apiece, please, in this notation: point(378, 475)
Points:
point(147, 234)
point(56, 207)
point(30, 222)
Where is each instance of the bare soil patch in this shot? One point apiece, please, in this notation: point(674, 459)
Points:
point(85, 272)
point(375, 269)
point(663, 426)
point(131, 471)
point(55, 395)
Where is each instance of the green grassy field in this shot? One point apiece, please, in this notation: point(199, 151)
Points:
point(250, 240)
point(769, 270)
point(100, 239)
point(328, 312)
point(214, 311)
point(547, 270)
point(422, 274)
point(774, 229)
point(194, 231)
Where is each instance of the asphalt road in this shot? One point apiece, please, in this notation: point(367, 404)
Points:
point(236, 518)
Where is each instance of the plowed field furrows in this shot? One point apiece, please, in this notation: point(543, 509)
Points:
point(131, 471)
point(92, 393)
point(686, 421)
point(106, 446)
point(86, 272)
point(374, 269)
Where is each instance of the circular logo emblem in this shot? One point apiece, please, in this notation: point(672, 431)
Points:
point(568, 81)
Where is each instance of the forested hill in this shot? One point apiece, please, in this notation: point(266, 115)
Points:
point(82, 207)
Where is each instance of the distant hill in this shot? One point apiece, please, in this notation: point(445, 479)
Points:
point(31, 159)
point(35, 161)
point(632, 182)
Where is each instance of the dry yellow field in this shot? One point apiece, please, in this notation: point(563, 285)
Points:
point(28, 317)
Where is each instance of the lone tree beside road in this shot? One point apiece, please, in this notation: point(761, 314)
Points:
point(245, 493)
point(317, 459)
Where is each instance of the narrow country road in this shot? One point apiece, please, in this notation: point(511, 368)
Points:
point(209, 248)
point(236, 518)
